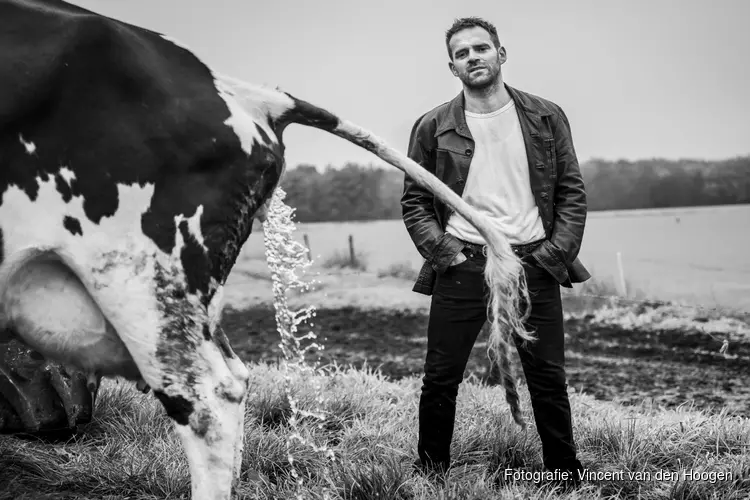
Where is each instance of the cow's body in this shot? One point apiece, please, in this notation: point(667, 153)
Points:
point(129, 177)
point(128, 182)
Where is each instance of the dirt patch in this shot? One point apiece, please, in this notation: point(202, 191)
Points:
point(367, 320)
point(610, 363)
point(670, 367)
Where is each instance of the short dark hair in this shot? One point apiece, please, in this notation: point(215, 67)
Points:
point(471, 22)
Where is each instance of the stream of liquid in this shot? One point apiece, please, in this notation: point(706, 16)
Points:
point(287, 259)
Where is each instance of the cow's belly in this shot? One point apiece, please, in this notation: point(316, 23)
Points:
point(48, 307)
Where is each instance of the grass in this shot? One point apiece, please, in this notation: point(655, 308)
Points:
point(343, 260)
point(129, 450)
point(596, 293)
point(401, 270)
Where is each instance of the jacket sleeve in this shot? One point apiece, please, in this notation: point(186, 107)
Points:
point(418, 206)
point(570, 196)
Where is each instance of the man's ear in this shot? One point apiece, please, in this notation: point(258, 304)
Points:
point(502, 55)
point(453, 69)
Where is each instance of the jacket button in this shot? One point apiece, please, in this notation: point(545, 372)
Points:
point(545, 196)
point(461, 182)
point(468, 152)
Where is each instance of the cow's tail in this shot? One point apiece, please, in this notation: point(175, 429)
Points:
point(508, 305)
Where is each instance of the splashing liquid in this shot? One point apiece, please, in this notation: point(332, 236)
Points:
point(285, 257)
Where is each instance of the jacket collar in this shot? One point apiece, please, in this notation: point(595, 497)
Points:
point(455, 118)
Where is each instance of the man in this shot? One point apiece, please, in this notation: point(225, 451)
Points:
point(509, 154)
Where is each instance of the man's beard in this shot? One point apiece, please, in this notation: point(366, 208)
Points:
point(482, 84)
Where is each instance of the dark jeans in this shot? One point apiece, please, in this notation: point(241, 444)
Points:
point(457, 314)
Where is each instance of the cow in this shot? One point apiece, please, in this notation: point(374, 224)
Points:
point(130, 175)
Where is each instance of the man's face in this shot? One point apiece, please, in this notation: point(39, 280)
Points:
point(476, 61)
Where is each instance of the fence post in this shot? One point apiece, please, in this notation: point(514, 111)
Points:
point(351, 250)
point(621, 270)
point(307, 245)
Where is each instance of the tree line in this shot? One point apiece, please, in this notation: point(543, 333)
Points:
point(362, 192)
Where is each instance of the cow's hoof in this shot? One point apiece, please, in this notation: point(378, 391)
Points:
point(39, 397)
point(142, 386)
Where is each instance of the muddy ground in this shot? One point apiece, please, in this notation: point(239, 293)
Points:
point(610, 363)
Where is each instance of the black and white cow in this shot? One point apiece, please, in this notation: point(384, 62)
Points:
point(130, 173)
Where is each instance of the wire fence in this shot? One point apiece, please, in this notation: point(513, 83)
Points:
point(349, 255)
point(651, 302)
point(687, 272)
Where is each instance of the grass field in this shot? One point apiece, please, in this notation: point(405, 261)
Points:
point(129, 452)
point(699, 256)
point(655, 404)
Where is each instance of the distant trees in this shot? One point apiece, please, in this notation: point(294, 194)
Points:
point(356, 192)
point(662, 183)
point(351, 193)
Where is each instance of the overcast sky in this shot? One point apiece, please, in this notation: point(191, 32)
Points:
point(637, 79)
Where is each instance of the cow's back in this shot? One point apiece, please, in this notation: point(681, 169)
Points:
point(107, 100)
point(102, 110)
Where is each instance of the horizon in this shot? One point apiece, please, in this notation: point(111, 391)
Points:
point(581, 163)
point(382, 66)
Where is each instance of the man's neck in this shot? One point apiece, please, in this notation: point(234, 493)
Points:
point(486, 100)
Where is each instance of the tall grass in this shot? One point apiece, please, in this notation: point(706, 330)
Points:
point(343, 260)
point(401, 270)
point(129, 450)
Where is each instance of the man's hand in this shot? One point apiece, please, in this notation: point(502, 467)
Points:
point(459, 258)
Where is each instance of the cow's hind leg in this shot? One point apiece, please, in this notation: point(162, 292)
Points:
point(169, 333)
point(239, 369)
point(204, 392)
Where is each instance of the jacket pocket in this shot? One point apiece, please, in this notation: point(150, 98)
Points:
point(448, 167)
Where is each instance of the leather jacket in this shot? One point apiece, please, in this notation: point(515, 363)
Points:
point(441, 142)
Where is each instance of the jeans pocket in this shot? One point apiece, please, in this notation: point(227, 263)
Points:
point(535, 271)
point(464, 281)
